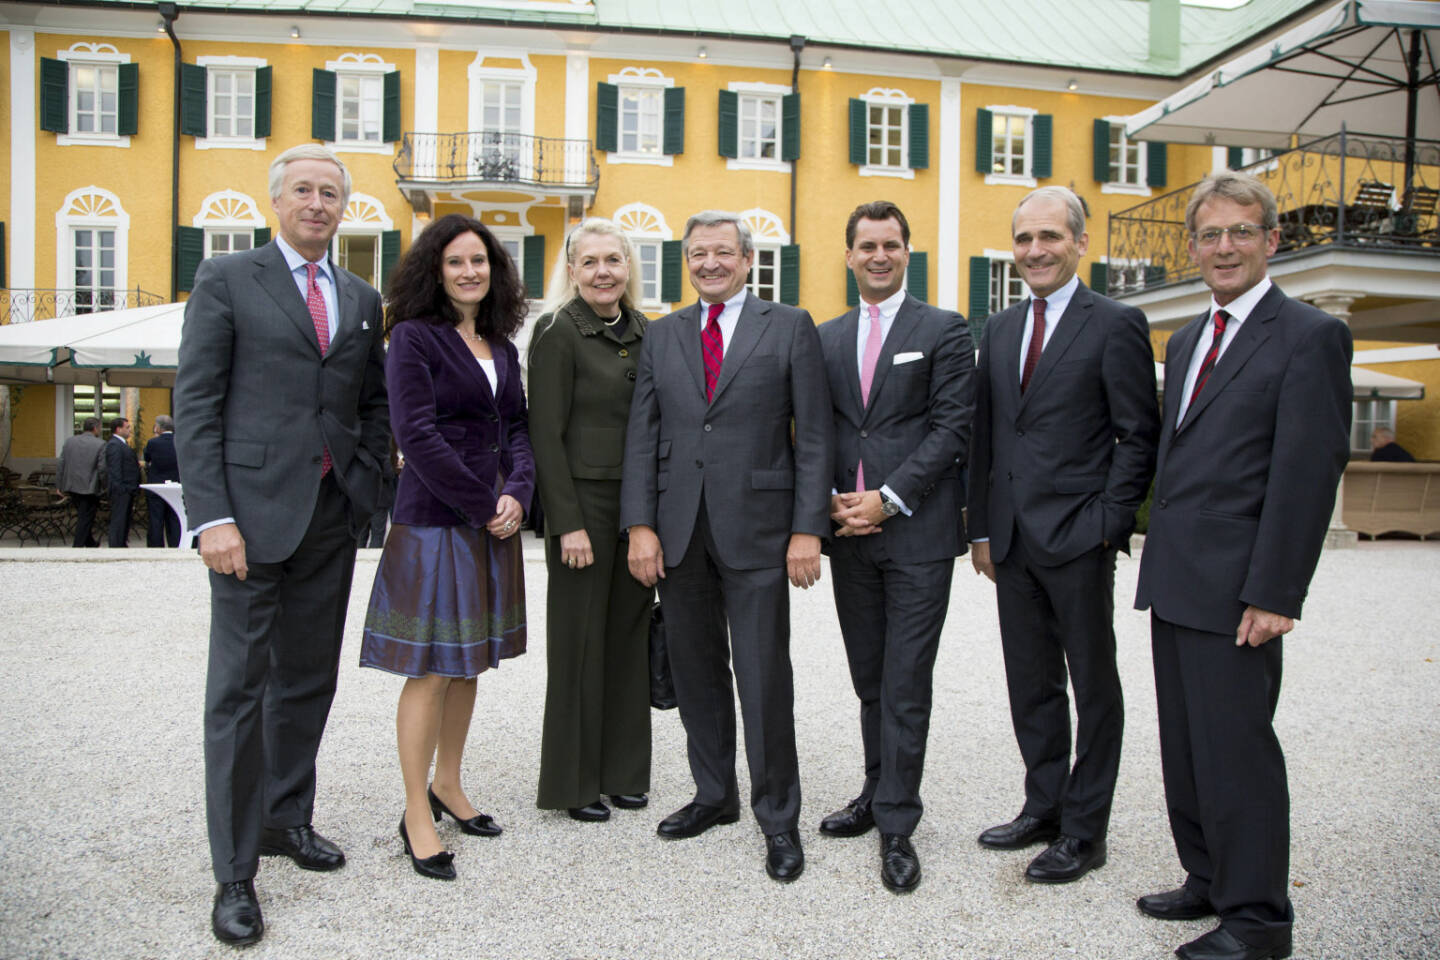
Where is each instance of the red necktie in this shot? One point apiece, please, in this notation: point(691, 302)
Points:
point(1037, 343)
point(315, 300)
point(712, 348)
point(1211, 355)
point(867, 375)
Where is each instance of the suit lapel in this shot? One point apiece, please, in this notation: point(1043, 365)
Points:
point(688, 321)
point(1067, 329)
point(754, 318)
point(275, 278)
point(900, 330)
point(1253, 332)
point(848, 332)
point(1006, 342)
point(1178, 350)
point(347, 305)
point(451, 341)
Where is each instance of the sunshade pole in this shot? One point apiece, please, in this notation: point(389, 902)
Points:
point(1412, 97)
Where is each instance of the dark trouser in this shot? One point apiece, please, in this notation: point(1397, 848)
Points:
point(86, 506)
point(700, 596)
point(1051, 617)
point(890, 615)
point(274, 657)
point(596, 737)
point(374, 534)
point(122, 506)
point(164, 525)
point(1225, 782)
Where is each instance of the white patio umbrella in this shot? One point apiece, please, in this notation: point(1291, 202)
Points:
point(134, 347)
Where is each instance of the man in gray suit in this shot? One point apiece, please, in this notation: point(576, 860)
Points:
point(81, 475)
point(277, 336)
point(721, 504)
point(1066, 421)
point(902, 387)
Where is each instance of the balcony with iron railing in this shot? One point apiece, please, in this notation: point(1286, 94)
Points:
point(488, 159)
point(1346, 191)
point(21, 305)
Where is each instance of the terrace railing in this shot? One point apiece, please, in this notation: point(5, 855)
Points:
point(497, 158)
point(19, 305)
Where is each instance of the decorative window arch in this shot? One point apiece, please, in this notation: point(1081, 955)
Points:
point(229, 220)
point(657, 252)
point(92, 232)
point(775, 271)
point(367, 242)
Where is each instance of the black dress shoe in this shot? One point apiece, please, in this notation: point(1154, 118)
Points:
point(851, 820)
point(899, 864)
point(1066, 859)
point(480, 825)
point(1221, 944)
point(594, 812)
point(439, 866)
point(784, 858)
point(1177, 904)
point(303, 845)
point(1023, 831)
point(630, 801)
point(235, 918)
point(694, 819)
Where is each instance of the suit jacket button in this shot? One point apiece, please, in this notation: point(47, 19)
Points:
point(707, 428)
point(700, 464)
point(1019, 433)
point(494, 418)
point(494, 448)
point(624, 352)
point(864, 434)
point(1164, 504)
point(315, 459)
point(629, 374)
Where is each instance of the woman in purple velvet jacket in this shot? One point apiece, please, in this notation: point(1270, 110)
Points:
point(449, 595)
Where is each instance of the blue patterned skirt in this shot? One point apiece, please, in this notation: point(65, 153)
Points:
point(447, 600)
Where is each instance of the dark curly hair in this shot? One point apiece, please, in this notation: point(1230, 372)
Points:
point(416, 293)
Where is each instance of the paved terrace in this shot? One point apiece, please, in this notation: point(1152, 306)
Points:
point(102, 835)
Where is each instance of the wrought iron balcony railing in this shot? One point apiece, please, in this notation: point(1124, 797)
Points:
point(500, 158)
point(23, 305)
point(1348, 190)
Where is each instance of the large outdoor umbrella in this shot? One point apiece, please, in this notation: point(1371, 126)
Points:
point(136, 347)
point(1367, 66)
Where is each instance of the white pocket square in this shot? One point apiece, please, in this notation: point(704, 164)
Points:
point(364, 324)
point(908, 357)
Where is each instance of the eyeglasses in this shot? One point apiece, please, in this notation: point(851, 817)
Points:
point(1241, 234)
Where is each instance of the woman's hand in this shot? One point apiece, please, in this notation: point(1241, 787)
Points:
point(575, 549)
point(506, 522)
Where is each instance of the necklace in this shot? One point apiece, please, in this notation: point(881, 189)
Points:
point(472, 337)
point(613, 320)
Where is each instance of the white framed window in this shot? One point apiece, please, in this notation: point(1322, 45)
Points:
point(1368, 415)
point(219, 242)
point(92, 237)
point(648, 231)
point(1012, 145)
point(502, 113)
point(94, 95)
point(1006, 285)
point(360, 103)
point(647, 261)
point(357, 241)
point(760, 127)
point(887, 134)
point(231, 104)
point(229, 219)
point(769, 235)
point(1127, 162)
point(640, 117)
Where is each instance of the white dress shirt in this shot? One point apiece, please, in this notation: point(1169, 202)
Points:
point(323, 279)
point(1055, 305)
point(729, 317)
point(1238, 309)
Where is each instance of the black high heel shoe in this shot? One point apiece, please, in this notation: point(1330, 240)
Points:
point(480, 825)
point(441, 866)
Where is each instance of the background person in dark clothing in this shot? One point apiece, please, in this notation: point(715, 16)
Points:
point(161, 467)
point(1384, 449)
point(124, 469)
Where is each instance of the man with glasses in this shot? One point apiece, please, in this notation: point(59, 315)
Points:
point(1255, 435)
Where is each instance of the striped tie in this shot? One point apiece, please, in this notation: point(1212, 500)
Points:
point(1211, 355)
point(712, 348)
point(315, 300)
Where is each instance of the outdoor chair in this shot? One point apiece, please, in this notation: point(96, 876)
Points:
point(1371, 207)
point(1417, 215)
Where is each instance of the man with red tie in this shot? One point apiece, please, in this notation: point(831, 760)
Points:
point(725, 494)
point(1066, 423)
point(1256, 433)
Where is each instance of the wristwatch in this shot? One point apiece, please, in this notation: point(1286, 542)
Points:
point(887, 506)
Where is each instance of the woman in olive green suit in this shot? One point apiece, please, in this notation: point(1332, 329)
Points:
point(582, 361)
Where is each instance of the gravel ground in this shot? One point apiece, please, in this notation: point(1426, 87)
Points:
point(102, 833)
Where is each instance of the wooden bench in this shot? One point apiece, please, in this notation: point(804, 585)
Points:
point(1392, 498)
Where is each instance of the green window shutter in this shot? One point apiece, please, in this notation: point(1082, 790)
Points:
point(533, 253)
point(852, 289)
point(1155, 164)
point(1100, 277)
point(979, 296)
point(389, 254)
point(607, 117)
point(262, 236)
point(1042, 127)
point(190, 250)
point(917, 277)
point(729, 124)
point(127, 122)
point(790, 275)
point(264, 81)
point(54, 95)
point(192, 103)
point(672, 272)
point(390, 112)
point(322, 105)
point(984, 141)
point(859, 131)
point(790, 127)
point(919, 136)
point(1101, 155)
point(1234, 157)
point(673, 139)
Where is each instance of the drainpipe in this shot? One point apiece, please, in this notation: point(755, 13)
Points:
point(797, 43)
point(170, 12)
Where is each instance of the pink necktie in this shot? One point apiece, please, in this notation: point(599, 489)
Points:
point(315, 300)
point(712, 348)
point(867, 374)
point(1037, 344)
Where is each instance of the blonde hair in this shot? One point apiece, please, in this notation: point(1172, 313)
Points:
point(562, 288)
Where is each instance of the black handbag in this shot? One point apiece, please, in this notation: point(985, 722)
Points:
point(662, 684)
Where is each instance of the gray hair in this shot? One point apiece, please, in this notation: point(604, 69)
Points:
point(713, 218)
point(306, 151)
point(1242, 188)
point(89, 424)
point(1074, 207)
point(165, 422)
point(562, 289)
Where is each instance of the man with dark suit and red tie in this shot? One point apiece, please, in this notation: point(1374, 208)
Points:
point(725, 494)
point(1066, 421)
point(1256, 436)
point(277, 335)
point(901, 376)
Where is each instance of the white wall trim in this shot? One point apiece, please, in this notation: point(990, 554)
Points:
point(24, 124)
point(1427, 351)
point(947, 256)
